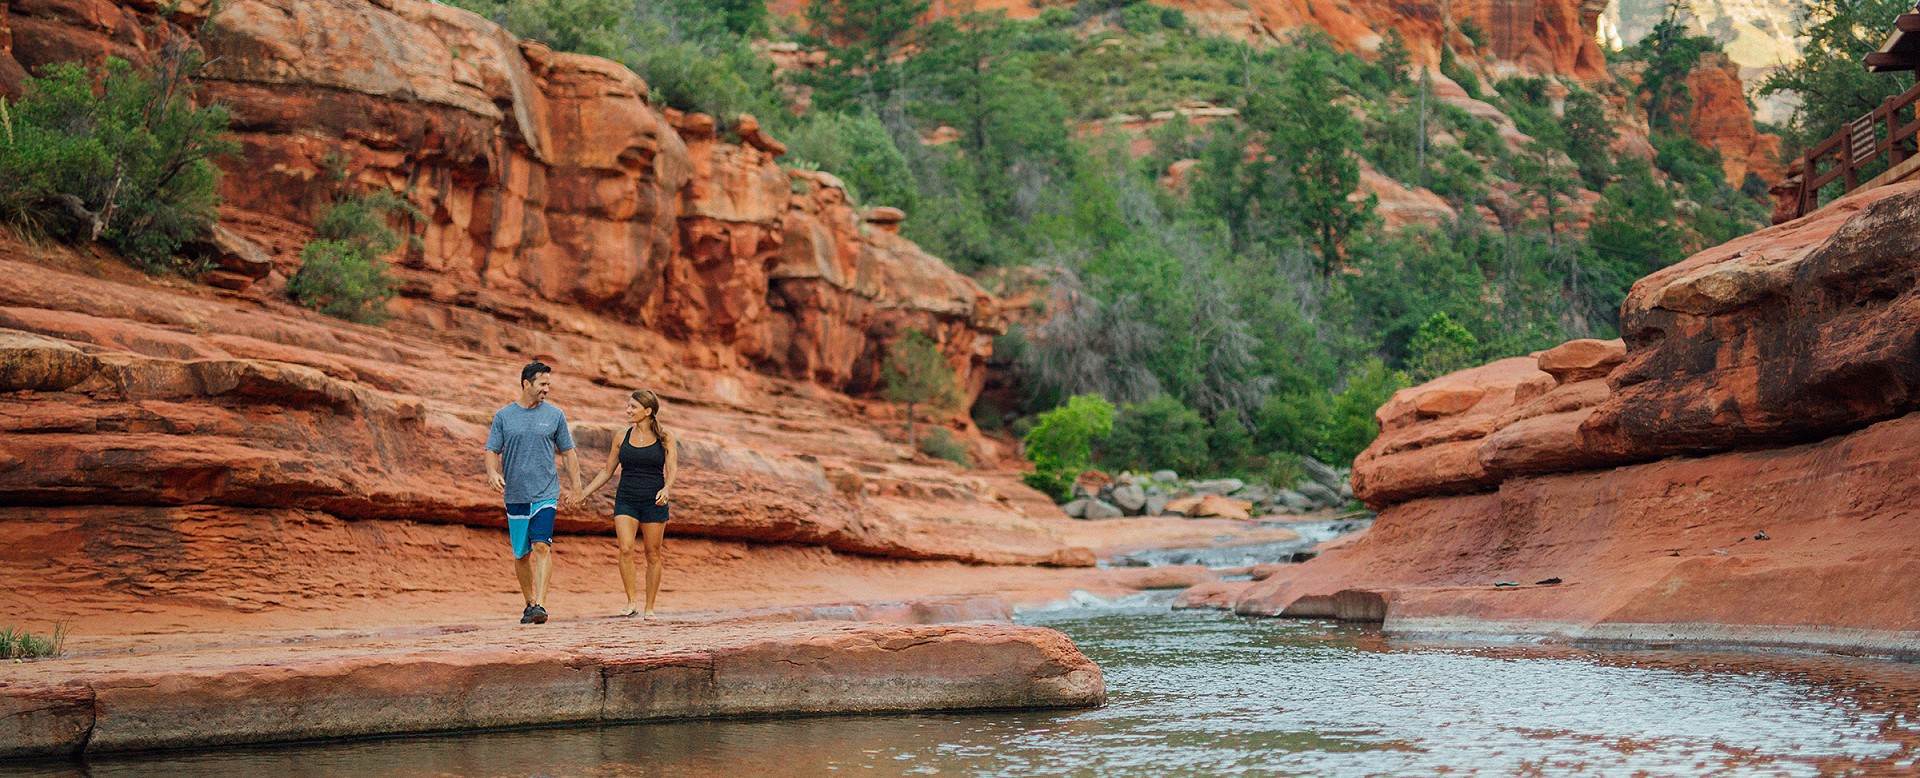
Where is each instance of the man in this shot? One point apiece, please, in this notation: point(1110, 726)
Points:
point(526, 435)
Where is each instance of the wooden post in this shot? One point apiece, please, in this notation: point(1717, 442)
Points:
point(1852, 177)
point(1809, 196)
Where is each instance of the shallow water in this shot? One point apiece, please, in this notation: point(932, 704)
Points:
point(1204, 693)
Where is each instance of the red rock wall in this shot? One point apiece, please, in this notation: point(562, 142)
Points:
point(546, 180)
point(1739, 469)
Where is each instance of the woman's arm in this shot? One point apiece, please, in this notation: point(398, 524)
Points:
point(671, 468)
point(600, 479)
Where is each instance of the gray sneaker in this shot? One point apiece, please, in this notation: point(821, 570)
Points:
point(537, 613)
point(526, 616)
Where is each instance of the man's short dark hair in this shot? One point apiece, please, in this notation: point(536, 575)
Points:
point(533, 371)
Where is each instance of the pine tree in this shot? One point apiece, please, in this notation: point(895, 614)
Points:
point(917, 373)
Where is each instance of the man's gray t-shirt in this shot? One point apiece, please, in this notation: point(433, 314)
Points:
point(527, 439)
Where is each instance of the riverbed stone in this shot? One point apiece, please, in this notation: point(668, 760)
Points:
point(1219, 486)
point(1320, 495)
point(1130, 498)
point(1156, 505)
point(1077, 508)
point(1295, 500)
point(1101, 509)
point(1165, 476)
point(1322, 473)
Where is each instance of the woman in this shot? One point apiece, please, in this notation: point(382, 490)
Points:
point(647, 459)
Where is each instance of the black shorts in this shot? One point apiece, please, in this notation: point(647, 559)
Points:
point(647, 511)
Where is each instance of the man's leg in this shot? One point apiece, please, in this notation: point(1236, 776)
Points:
point(518, 522)
point(523, 569)
point(540, 535)
point(542, 571)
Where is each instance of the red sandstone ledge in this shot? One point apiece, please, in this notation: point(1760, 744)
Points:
point(612, 670)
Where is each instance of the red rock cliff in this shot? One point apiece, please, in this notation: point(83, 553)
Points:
point(1738, 470)
point(547, 181)
point(161, 437)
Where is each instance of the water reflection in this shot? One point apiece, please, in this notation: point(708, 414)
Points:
point(1201, 693)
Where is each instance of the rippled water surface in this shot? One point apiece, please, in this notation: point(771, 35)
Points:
point(1201, 693)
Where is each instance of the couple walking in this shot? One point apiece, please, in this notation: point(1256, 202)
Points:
point(526, 436)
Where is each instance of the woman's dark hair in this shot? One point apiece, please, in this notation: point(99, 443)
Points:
point(651, 402)
point(532, 371)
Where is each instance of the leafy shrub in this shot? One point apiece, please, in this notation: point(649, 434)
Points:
point(130, 166)
point(857, 148)
point(18, 643)
point(1160, 433)
point(1229, 444)
point(1293, 422)
point(941, 444)
point(343, 271)
point(1439, 347)
point(1350, 425)
point(1060, 445)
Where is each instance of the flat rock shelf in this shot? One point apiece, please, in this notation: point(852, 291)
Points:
point(459, 679)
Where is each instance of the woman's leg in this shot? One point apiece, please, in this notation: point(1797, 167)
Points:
point(624, 527)
point(654, 535)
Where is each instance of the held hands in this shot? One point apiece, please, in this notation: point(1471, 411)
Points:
point(661, 497)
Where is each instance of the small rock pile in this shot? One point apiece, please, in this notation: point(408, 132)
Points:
point(1097, 495)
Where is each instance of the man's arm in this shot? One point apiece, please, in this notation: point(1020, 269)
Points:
point(572, 458)
point(495, 480)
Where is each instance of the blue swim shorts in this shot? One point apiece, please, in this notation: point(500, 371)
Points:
point(529, 523)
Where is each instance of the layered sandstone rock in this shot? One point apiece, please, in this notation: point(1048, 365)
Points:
point(1735, 471)
point(165, 444)
point(603, 671)
point(546, 180)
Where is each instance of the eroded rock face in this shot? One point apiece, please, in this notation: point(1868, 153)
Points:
point(545, 181)
point(1765, 389)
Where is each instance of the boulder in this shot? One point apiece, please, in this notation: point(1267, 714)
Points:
point(1322, 473)
point(1253, 493)
point(1295, 500)
point(1101, 509)
point(1213, 505)
point(1321, 496)
point(1183, 505)
point(1077, 508)
point(1220, 486)
point(1165, 476)
point(1156, 504)
point(1130, 498)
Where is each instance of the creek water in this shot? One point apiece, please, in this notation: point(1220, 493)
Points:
point(1195, 693)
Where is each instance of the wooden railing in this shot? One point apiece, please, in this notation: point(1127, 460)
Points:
point(1848, 152)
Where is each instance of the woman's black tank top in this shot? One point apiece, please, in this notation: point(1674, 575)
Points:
point(642, 470)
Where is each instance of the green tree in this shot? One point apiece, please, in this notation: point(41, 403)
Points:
point(1827, 79)
point(1155, 434)
point(1540, 171)
point(862, 39)
point(1439, 347)
point(1590, 137)
point(1315, 139)
point(917, 373)
point(1060, 445)
point(1671, 55)
point(130, 165)
point(1393, 61)
point(857, 148)
point(1351, 426)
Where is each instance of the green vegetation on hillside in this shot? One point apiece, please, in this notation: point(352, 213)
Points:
point(1259, 312)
